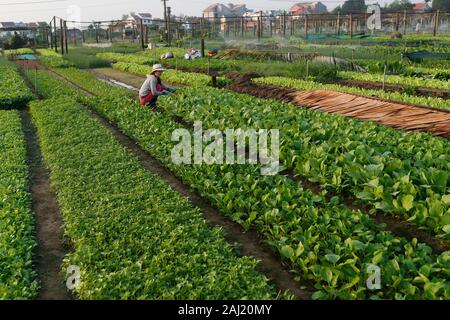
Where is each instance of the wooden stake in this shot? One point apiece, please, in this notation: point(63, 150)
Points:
point(436, 23)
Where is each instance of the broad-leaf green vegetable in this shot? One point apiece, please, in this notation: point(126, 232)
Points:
point(133, 237)
point(326, 242)
point(13, 90)
point(393, 96)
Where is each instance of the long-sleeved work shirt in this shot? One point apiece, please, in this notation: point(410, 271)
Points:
point(150, 85)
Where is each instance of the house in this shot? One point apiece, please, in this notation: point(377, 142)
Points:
point(219, 10)
point(134, 19)
point(421, 7)
point(303, 8)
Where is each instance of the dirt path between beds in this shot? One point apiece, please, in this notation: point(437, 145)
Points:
point(424, 92)
point(396, 225)
point(392, 114)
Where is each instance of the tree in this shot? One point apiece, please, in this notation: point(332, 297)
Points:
point(353, 6)
point(442, 5)
point(18, 41)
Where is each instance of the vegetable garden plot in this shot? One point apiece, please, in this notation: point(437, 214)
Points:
point(172, 76)
point(249, 245)
point(134, 238)
point(392, 96)
point(14, 92)
point(325, 242)
point(17, 274)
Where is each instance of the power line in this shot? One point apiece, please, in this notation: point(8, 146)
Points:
point(31, 2)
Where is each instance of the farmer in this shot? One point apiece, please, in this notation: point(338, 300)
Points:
point(153, 87)
point(192, 54)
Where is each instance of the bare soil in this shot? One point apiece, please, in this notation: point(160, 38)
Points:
point(51, 247)
point(426, 92)
point(250, 243)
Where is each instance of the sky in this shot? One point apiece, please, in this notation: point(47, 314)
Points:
point(90, 10)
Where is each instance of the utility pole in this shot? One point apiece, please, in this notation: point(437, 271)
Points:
point(55, 34)
point(306, 26)
point(169, 36)
point(404, 21)
point(351, 25)
point(436, 23)
point(96, 31)
point(338, 23)
point(61, 35)
point(51, 35)
point(165, 19)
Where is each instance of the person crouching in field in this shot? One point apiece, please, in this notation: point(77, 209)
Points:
point(153, 87)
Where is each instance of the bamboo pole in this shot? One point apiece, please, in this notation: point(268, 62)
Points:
point(338, 24)
point(61, 35)
point(351, 26)
point(65, 37)
point(306, 26)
